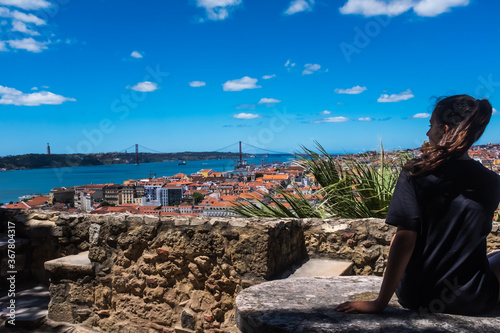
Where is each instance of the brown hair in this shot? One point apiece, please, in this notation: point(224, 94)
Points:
point(466, 119)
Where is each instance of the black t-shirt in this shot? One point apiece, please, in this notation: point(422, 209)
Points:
point(451, 210)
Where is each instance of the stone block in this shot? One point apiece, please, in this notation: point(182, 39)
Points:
point(306, 305)
point(94, 233)
point(70, 265)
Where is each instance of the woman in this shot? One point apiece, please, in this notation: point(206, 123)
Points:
point(443, 207)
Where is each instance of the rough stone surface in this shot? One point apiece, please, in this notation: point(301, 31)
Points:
point(168, 274)
point(147, 270)
point(306, 305)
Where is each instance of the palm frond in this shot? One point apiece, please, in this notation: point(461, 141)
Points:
point(350, 188)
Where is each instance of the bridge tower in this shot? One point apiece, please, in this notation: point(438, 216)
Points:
point(136, 154)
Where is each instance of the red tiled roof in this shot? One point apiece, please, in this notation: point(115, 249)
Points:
point(37, 201)
point(251, 196)
point(229, 197)
point(275, 177)
point(97, 186)
point(136, 206)
point(19, 205)
point(223, 204)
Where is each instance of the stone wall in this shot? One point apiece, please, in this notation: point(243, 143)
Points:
point(42, 236)
point(158, 274)
point(171, 275)
point(364, 241)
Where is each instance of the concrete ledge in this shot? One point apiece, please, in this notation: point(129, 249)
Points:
point(78, 264)
point(305, 305)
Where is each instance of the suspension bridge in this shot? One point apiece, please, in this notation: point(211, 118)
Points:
point(240, 145)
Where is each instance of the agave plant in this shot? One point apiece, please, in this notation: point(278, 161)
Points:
point(349, 188)
point(299, 207)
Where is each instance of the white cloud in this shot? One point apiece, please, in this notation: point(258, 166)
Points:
point(289, 64)
point(218, 9)
point(310, 68)
point(397, 7)
point(11, 96)
point(27, 4)
point(376, 7)
point(28, 44)
point(145, 86)
point(136, 54)
point(246, 116)
point(197, 84)
point(27, 18)
point(365, 119)
point(267, 77)
point(245, 82)
point(436, 7)
point(269, 101)
point(21, 27)
point(19, 16)
point(326, 112)
point(34, 88)
point(351, 91)
point(402, 96)
point(297, 6)
point(2, 47)
point(339, 119)
point(495, 111)
point(23, 23)
point(421, 115)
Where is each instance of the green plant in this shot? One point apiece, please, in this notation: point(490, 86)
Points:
point(300, 207)
point(350, 188)
point(198, 197)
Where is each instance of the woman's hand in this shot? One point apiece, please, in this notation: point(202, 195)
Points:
point(361, 307)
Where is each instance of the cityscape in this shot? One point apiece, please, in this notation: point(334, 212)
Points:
point(249, 166)
point(208, 192)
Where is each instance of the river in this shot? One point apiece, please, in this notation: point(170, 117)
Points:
point(16, 183)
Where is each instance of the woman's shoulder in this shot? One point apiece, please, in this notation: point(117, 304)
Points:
point(479, 169)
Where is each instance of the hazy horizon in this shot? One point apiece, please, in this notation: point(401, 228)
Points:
point(196, 75)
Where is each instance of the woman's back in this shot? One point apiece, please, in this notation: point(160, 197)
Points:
point(451, 209)
point(443, 206)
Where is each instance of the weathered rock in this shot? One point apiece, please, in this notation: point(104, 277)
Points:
point(201, 263)
point(187, 320)
point(306, 305)
point(70, 265)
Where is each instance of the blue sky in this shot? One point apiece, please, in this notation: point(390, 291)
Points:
point(198, 75)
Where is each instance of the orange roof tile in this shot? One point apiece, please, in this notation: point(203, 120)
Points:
point(229, 197)
point(37, 201)
point(97, 186)
point(223, 204)
point(19, 205)
point(275, 177)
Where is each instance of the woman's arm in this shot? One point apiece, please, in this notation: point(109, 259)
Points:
point(399, 256)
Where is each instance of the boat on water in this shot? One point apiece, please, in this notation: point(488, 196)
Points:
point(182, 163)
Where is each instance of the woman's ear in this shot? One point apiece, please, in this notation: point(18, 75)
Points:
point(446, 128)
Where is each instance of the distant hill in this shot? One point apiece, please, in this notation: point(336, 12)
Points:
point(38, 161)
